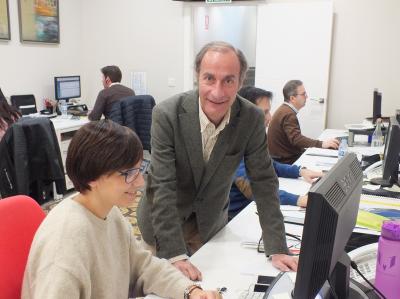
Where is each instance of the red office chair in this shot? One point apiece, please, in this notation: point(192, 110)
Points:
point(20, 217)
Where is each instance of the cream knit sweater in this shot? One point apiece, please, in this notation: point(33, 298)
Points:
point(75, 254)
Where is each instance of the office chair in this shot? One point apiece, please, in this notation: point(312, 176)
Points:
point(135, 112)
point(26, 104)
point(20, 217)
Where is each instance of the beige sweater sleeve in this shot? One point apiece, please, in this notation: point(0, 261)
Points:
point(54, 282)
point(153, 275)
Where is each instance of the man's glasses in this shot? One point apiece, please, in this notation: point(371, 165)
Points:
point(304, 94)
point(131, 174)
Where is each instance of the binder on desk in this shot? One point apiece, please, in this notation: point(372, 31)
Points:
point(376, 209)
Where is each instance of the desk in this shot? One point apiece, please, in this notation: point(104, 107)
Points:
point(225, 262)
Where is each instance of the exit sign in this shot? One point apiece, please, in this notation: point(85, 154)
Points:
point(218, 1)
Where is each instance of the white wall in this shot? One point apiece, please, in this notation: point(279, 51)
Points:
point(143, 35)
point(365, 55)
point(29, 68)
point(136, 35)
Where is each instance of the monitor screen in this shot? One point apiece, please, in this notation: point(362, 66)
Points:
point(67, 87)
point(390, 165)
point(376, 105)
point(330, 219)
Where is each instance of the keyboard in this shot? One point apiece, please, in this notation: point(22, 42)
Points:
point(381, 192)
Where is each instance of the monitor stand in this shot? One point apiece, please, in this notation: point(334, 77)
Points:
point(381, 181)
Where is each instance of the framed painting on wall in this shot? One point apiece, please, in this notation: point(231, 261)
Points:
point(4, 20)
point(39, 21)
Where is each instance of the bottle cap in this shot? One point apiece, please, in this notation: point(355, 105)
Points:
point(391, 230)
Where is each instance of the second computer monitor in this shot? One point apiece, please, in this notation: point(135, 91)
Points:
point(330, 219)
point(390, 165)
point(67, 87)
point(376, 105)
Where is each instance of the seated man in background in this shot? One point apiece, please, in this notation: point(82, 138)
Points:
point(85, 248)
point(113, 91)
point(285, 141)
point(241, 194)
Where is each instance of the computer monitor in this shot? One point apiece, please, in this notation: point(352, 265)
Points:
point(390, 165)
point(67, 87)
point(330, 218)
point(376, 105)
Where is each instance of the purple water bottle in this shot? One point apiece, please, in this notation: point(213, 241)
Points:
point(387, 276)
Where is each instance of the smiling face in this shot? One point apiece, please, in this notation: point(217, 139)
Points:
point(112, 189)
point(219, 81)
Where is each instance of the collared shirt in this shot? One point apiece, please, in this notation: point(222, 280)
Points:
point(115, 83)
point(209, 133)
point(291, 106)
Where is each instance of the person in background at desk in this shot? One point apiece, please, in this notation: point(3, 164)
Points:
point(285, 141)
point(8, 115)
point(85, 248)
point(113, 91)
point(198, 139)
point(241, 195)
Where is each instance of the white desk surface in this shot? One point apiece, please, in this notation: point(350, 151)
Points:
point(225, 262)
point(67, 123)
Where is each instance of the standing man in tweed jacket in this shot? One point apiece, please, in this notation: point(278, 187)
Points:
point(198, 140)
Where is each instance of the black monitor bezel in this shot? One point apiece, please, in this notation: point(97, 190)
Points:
point(66, 98)
point(390, 164)
point(346, 176)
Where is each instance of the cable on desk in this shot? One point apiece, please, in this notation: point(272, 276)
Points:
point(355, 267)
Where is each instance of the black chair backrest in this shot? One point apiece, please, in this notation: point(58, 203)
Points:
point(26, 103)
point(135, 112)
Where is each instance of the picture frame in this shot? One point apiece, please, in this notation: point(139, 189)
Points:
point(5, 33)
point(39, 21)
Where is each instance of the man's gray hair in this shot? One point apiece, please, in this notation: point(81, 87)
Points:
point(290, 89)
point(219, 46)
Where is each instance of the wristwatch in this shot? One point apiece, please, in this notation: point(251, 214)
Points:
point(189, 290)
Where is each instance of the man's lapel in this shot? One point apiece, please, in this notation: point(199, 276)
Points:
point(190, 126)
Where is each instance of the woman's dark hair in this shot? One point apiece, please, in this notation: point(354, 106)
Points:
point(252, 93)
point(101, 148)
point(8, 114)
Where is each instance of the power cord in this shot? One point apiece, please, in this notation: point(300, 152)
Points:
point(355, 267)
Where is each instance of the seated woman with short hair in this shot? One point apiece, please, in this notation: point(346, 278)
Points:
point(85, 248)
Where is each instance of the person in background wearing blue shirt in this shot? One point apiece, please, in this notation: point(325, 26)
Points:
point(241, 194)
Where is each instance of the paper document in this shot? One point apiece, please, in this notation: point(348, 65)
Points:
point(321, 152)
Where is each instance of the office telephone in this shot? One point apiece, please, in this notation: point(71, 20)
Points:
point(374, 170)
point(365, 258)
point(78, 110)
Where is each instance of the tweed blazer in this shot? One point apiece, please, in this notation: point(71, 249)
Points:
point(180, 183)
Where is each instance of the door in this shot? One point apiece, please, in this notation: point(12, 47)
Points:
point(294, 42)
